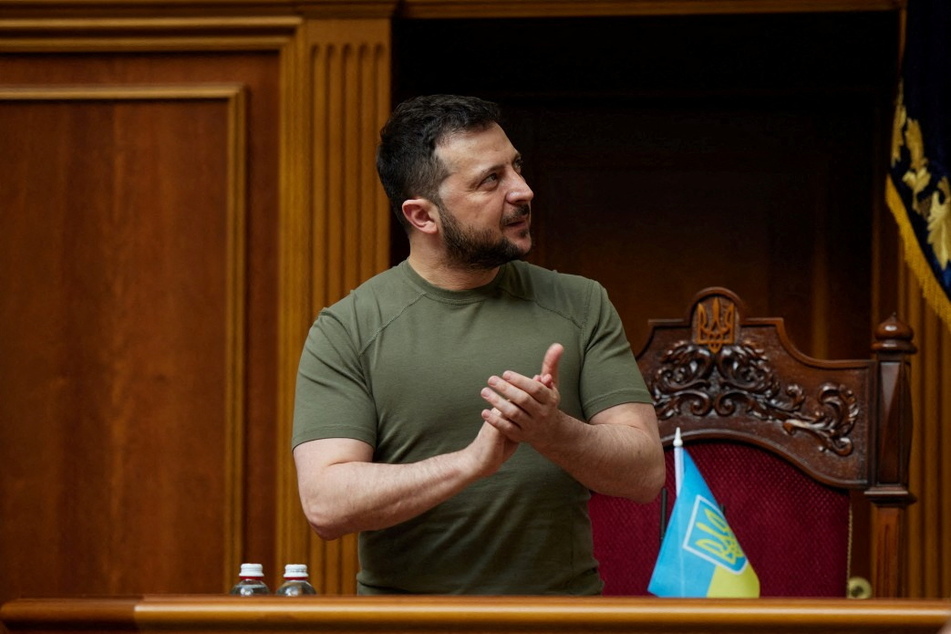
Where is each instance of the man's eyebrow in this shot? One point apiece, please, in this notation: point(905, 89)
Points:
point(485, 171)
point(516, 159)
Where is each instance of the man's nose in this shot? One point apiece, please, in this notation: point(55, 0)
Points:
point(519, 192)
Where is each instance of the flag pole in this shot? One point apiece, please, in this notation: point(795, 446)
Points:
point(678, 461)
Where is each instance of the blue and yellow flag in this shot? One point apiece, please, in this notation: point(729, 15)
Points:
point(700, 556)
point(918, 188)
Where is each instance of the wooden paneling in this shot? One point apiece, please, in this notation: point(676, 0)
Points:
point(929, 521)
point(123, 244)
point(344, 102)
point(139, 275)
point(635, 199)
point(316, 97)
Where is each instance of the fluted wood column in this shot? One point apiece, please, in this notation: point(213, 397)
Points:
point(336, 229)
point(929, 521)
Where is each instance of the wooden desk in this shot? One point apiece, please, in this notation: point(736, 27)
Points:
point(491, 615)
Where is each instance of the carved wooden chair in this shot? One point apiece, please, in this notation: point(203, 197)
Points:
point(793, 448)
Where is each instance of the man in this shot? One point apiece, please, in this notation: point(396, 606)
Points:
point(457, 409)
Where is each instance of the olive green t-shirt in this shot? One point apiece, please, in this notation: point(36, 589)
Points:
point(399, 364)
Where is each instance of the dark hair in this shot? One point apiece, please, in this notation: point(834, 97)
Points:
point(405, 158)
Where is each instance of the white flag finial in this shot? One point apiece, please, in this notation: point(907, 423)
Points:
point(678, 460)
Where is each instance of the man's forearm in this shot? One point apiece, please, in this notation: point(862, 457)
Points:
point(343, 492)
point(613, 459)
point(357, 496)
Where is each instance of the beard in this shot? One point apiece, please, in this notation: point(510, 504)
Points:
point(481, 249)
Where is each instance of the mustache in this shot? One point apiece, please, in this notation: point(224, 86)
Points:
point(520, 212)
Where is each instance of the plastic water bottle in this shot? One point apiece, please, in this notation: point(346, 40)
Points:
point(295, 582)
point(251, 581)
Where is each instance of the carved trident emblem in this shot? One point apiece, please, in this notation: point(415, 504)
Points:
point(715, 326)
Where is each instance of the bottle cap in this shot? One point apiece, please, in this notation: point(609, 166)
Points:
point(295, 571)
point(252, 570)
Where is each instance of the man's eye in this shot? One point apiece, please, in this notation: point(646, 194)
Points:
point(517, 166)
point(491, 178)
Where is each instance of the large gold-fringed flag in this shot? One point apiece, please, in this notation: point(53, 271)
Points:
point(918, 189)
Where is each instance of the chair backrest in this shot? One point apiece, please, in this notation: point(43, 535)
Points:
point(793, 448)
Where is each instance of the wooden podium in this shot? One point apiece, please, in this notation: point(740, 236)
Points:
point(490, 615)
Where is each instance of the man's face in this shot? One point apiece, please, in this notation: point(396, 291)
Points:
point(484, 203)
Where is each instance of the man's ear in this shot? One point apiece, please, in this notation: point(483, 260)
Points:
point(421, 214)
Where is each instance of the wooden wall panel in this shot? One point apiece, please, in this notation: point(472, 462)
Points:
point(147, 200)
point(344, 102)
point(122, 241)
point(632, 197)
point(929, 521)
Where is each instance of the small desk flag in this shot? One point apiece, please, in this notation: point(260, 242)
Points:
point(700, 556)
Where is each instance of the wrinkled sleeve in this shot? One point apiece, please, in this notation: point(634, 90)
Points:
point(332, 398)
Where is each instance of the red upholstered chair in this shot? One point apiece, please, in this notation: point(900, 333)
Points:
point(792, 448)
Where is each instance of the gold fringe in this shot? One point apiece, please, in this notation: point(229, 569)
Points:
point(930, 288)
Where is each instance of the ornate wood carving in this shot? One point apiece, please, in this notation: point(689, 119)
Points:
point(739, 379)
point(715, 326)
point(718, 373)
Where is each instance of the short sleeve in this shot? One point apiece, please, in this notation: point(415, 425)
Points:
point(609, 375)
point(332, 398)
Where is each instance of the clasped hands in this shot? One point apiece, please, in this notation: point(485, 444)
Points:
point(526, 409)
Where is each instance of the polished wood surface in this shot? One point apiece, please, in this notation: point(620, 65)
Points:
point(495, 615)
